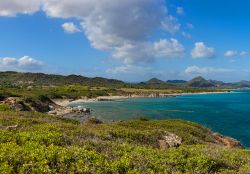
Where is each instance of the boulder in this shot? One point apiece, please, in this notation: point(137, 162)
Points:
point(52, 112)
point(169, 140)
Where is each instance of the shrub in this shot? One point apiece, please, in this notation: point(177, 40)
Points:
point(4, 107)
point(94, 120)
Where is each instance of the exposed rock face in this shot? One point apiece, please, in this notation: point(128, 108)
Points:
point(227, 141)
point(170, 140)
point(16, 105)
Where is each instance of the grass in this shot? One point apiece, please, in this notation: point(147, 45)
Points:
point(47, 144)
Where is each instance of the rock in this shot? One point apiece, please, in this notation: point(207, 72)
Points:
point(70, 111)
point(170, 140)
point(51, 107)
point(80, 109)
point(16, 105)
point(29, 88)
point(14, 127)
point(52, 112)
point(11, 101)
point(104, 99)
point(86, 110)
point(227, 141)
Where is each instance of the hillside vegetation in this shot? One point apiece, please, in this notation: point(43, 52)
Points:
point(40, 79)
point(37, 143)
point(51, 79)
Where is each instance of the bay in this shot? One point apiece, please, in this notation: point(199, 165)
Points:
point(226, 113)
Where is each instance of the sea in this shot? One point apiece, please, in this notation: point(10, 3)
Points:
point(226, 113)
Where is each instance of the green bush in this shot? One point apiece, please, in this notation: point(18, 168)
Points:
point(4, 107)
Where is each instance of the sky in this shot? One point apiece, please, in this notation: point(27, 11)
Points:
point(130, 40)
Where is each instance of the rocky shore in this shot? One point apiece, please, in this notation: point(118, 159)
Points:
point(52, 108)
point(77, 113)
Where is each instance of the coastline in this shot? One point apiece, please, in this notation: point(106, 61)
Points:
point(67, 102)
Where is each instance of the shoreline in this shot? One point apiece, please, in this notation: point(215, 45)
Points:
point(67, 102)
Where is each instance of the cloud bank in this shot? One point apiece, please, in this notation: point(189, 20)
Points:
point(13, 7)
point(24, 63)
point(204, 70)
point(122, 28)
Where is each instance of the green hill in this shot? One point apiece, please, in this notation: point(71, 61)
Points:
point(51, 79)
point(155, 81)
point(200, 82)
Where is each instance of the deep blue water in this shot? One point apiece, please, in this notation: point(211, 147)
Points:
point(227, 113)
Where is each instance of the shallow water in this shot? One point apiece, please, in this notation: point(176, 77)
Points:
point(227, 113)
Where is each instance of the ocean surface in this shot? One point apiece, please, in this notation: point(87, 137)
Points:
point(227, 113)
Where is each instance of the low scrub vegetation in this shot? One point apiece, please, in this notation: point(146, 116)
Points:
point(31, 142)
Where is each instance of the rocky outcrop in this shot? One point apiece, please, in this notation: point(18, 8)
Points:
point(169, 140)
point(16, 104)
point(227, 141)
point(70, 111)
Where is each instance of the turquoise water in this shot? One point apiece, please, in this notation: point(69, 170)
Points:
point(227, 113)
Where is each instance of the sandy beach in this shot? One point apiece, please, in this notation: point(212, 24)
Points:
point(66, 102)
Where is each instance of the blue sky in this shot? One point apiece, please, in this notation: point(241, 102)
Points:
point(131, 40)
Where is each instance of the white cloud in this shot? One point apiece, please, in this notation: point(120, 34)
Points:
point(180, 10)
point(122, 28)
point(171, 24)
point(202, 51)
point(129, 69)
point(70, 27)
point(145, 52)
point(24, 63)
point(14, 7)
point(243, 53)
point(70, 8)
point(204, 70)
point(168, 48)
point(230, 53)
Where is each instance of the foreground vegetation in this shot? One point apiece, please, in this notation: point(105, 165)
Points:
point(37, 143)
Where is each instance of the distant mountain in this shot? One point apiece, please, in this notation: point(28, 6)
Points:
point(155, 81)
point(19, 78)
point(177, 81)
point(217, 83)
point(51, 79)
point(242, 84)
point(200, 82)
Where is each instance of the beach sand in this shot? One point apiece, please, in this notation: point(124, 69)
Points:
point(66, 102)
